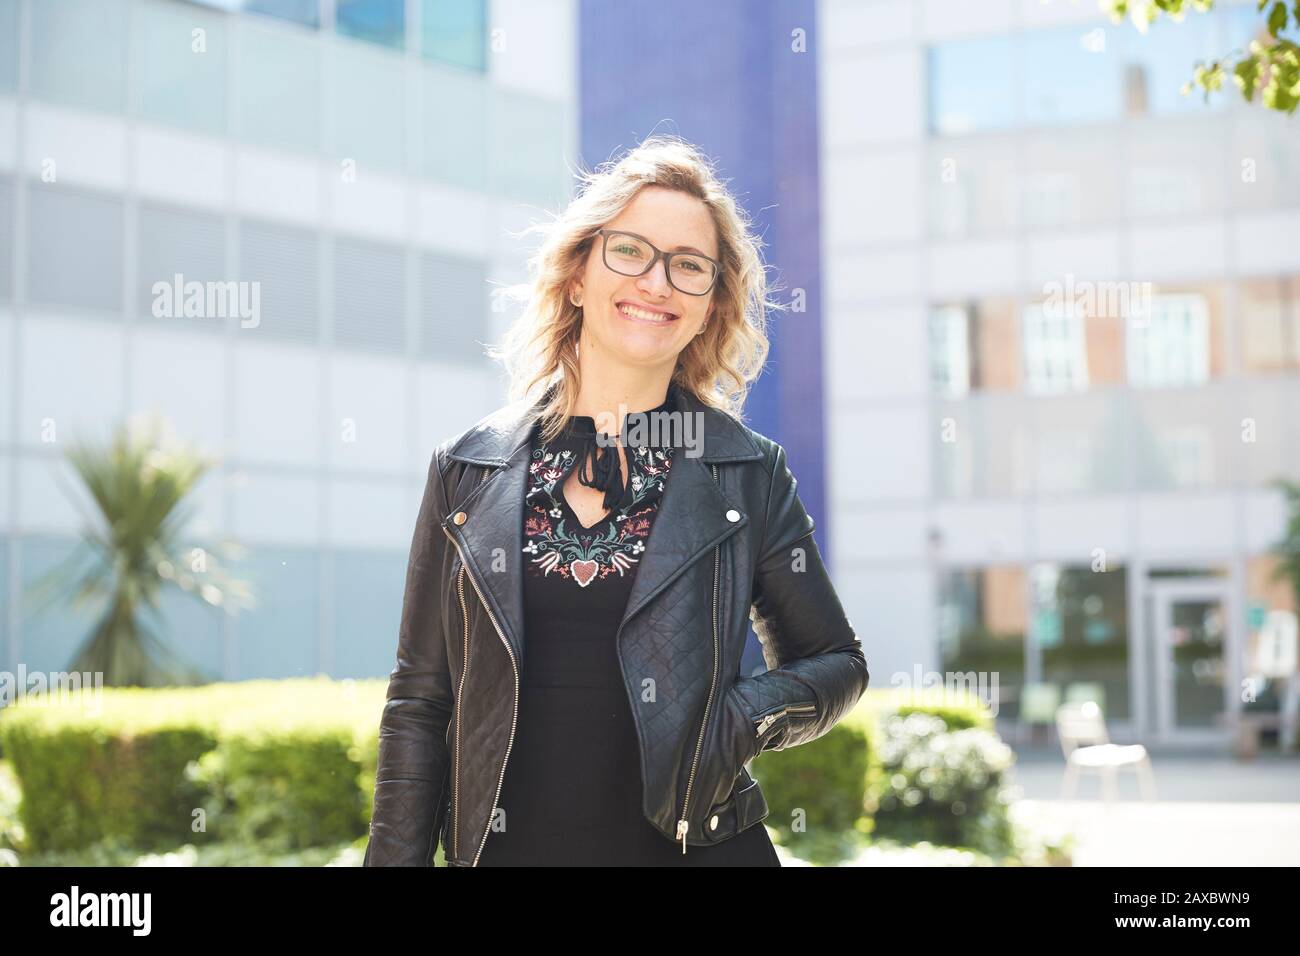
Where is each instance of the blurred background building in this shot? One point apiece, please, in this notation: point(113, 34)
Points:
point(1064, 498)
point(361, 159)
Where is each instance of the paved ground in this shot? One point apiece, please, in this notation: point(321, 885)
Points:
point(1179, 776)
point(1210, 810)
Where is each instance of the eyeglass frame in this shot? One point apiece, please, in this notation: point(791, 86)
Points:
point(658, 254)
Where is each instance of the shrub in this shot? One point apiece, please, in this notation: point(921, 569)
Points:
point(290, 763)
point(816, 792)
point(943, 787)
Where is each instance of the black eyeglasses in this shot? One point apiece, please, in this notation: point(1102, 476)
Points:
point(631, 255)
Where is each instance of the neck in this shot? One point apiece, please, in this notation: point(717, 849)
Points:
point(610, 392)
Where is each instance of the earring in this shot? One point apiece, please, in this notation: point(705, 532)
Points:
point(577, 302)
point(702, 328)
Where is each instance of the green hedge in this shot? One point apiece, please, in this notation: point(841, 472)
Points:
point(288, 763)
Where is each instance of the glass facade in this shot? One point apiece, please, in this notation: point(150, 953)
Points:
point(328, 155)
point(1146, 417)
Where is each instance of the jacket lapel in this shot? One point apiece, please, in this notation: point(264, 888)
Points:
point(692, 515)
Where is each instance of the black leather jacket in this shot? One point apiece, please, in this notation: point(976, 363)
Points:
point(731, 543)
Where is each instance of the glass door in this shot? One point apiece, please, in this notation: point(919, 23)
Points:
point(1194, 641)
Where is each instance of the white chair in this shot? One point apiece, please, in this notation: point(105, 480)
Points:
point(1088, 749)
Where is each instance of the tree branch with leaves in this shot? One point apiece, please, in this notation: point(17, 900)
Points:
point(1271, 68)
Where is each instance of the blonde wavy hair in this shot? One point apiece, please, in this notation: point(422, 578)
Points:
point(540, 348)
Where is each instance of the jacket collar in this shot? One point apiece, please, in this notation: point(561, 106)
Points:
point(695, 513)
point(495, 439)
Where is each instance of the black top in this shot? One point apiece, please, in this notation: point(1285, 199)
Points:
point(572, 790)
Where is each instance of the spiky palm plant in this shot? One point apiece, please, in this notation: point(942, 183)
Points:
point(131, 550)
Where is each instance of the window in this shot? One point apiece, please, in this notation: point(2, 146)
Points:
point(369, 296)
point(972, 347)
point(278, 87)
point(366, 102)
point(6, 237)
point(455, 32)
point(1071, 75)
point(1172, 347)
point(970, 191)
point(1080, 628)
point(74, 249)
point(950, 350)
point(179, 241)
point(1159, 63)
point(283, 260)
point(9, 45)
point(981, 620)
point(79, 52)
point(972, 85)
point(278, 637)
point(453, 308)
point(376, 21)
point(177, 84)
point(1056, 359)
point(1175, 168)
point(1270, 323)
point(302, 12)
point(365, 598)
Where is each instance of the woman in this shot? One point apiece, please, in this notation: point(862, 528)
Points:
point(586, 562)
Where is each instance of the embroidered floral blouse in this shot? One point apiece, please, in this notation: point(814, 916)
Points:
point(556, 541)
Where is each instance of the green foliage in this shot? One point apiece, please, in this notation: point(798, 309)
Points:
point(1270, 68)
point(130, 787)
point(816, 792)
point(285, 793)
point(1287, 550)
point(130, 551)
point(825, 795)
point(281, 773)
point(943, 786)
point(225, 853)
point(286, 764)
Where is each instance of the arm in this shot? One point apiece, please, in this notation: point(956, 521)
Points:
point(815, 660)
point(410, 778)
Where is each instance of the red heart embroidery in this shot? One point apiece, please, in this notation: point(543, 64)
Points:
point(583, 571)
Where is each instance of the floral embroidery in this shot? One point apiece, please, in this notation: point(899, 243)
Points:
point(557, 541)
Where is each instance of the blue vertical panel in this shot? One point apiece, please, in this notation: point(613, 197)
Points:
point(724, 76)
point(52, 632)
point(190, 627)
point(277, 637)
point(366, 604)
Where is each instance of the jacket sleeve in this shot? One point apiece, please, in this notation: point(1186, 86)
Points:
point(411, 774)
point(817, 670)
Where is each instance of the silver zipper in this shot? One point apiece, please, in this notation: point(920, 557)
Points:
point(514, 717)
point(769, 719)
point(455, 760)
point(683, 822)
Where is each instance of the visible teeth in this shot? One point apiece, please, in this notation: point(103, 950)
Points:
point(643, 314)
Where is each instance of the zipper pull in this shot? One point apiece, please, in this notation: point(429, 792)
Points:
point(768, 721)
point(682, 827)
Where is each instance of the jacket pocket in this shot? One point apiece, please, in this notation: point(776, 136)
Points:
point(771, 725)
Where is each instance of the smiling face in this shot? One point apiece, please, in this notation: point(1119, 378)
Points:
point(643, 321)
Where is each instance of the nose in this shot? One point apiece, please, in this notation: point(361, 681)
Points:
point(655, 281)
